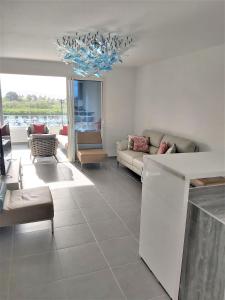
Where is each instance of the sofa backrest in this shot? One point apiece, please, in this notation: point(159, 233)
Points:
point(155, 139)
point(183, 145)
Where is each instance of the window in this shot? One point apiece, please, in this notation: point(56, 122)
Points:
point(33, 99)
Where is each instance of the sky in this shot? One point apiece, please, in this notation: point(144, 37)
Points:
point(53, 87)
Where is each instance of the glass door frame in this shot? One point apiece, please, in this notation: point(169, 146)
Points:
point(72, 145)
point(1, 107)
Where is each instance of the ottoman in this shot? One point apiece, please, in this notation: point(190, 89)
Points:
point(27, 205)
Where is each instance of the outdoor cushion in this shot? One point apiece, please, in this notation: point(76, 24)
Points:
point(38, 128)
point(64, 130)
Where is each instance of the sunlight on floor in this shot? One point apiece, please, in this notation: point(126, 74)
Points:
point(46, 171)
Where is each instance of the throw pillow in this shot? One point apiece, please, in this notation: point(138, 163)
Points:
point(141, 144)
point(64, 130)
point(163, 148)
point(38, 128)
point(172, 149)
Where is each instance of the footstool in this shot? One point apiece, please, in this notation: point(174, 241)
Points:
point(27, 205)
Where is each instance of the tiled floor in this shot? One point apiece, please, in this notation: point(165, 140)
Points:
point(94, 253)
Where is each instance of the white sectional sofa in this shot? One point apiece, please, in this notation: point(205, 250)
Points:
point(134, 160)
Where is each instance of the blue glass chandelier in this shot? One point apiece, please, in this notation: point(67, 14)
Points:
point(93, 53)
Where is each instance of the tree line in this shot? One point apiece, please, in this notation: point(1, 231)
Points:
point(14, 104)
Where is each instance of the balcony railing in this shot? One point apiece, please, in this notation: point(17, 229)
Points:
point(26, 120)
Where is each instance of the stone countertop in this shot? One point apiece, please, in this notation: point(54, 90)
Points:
point(211, 200)
point(192, 165)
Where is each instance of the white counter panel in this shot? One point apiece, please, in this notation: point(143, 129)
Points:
point(163, 218)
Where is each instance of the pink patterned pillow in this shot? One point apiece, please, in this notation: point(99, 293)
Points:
point(141, 143)
point(163, 148)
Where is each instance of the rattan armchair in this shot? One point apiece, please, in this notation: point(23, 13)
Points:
point(43, 145)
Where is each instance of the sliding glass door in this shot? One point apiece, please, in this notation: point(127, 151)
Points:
point(87, 105)
point(84, 109)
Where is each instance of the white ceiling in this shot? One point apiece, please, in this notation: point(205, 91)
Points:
point(162, 28)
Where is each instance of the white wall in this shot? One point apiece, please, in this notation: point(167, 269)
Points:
point(185, 96)
point(118, 94)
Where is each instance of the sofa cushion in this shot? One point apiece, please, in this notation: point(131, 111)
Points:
point(155, 137)
point(182, 145)
point(138, 162)
point(129, 155)
point(153, 149)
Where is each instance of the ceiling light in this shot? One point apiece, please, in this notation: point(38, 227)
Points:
point(93, 53)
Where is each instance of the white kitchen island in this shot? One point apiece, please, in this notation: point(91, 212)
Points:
point(165, 195)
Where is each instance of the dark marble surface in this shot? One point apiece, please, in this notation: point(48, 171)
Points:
point(203, 265)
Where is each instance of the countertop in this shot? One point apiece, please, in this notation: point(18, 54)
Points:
point(192, 165)
point(211, 200)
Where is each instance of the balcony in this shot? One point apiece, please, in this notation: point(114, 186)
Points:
point(19, 124)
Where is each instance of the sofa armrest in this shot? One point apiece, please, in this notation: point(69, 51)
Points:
point(122, 145)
